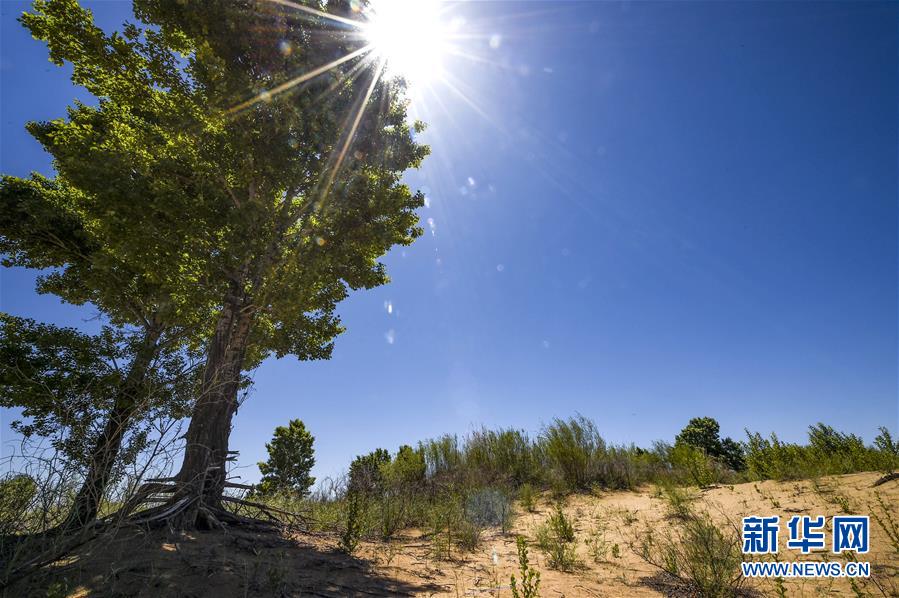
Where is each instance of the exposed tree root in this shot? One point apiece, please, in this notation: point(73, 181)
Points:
point(887, 478)
point(156, 504)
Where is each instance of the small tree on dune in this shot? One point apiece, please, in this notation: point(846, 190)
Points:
point(290, 461)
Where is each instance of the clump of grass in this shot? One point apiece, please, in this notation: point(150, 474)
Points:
point(843, 502)
point(453, 527)
point(883, 515)
point(597, 545)
point(704, 556)
point(556, 538)
point(629, 517)
point(529, 584)
point(468, 535)
point(679, 500)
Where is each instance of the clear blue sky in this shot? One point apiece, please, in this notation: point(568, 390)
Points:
point(642, 212)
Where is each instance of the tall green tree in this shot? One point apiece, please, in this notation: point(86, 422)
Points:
point(277, 208)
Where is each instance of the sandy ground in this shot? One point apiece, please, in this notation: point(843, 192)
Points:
point(243, 563)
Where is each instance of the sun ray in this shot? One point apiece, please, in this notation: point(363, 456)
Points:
point(270, 93)
point(317, 13)
point(352, 132)
point(349, 76)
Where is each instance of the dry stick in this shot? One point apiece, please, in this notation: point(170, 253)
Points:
point(262, 507)
point(239, 486)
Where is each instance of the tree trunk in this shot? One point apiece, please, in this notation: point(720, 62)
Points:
point(202, 476)
point(106, 450)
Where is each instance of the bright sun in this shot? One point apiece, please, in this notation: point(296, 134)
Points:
point(410, 35)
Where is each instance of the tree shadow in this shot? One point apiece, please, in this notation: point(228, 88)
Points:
point(673, 587)
point(222, 564)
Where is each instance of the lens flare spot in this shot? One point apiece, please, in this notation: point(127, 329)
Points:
point(410, 35)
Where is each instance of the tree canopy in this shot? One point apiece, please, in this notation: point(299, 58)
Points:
point(238, 174)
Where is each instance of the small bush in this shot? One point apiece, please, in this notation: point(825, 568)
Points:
point(698, 552)
point(446, 517)
point(698, 468)
point(529, 585)
point(556, 538)
point(468, 535)
point(528, 497)
point(597, 545)
point(353, 528)
point(888, 460)
point(701, 433)
point(442, 455)
point(367, 472)
point(883, 515)
point(501, 455)
point(570, 447)
point(679, 500)
point(16, 496)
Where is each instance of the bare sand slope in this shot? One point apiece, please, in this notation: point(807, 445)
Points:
point(241, 563)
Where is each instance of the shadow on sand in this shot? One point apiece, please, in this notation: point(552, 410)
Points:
point(222, 564)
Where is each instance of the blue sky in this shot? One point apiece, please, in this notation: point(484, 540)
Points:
point(642, 212)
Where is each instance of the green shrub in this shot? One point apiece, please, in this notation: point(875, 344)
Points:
point(354, 522)
point(501, 455)
point(407, 469)
point(679, 500)
point(696, 467)
point(883, 515)
point(768, 459)
point(888, 449)
point(828, 453)
point(556, 538)
point(17, 493)
point(529, 584)
point(468, 535)
point(367, 472)
point(597, 545)
point(702, 433)
point(528, 497)
point(705, 557)
point(571, 447)
point(442, 455)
